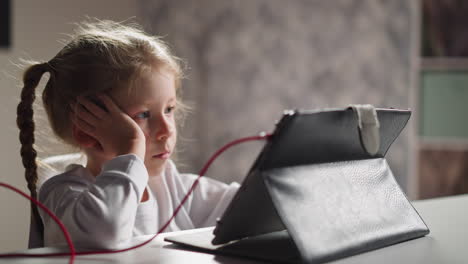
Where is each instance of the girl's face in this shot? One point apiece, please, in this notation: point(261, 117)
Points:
point(151, 103)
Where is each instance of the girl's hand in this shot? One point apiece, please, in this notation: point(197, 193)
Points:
point(116, 132)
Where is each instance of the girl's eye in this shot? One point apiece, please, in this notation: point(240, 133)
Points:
point(143, 115)
point(170, 109)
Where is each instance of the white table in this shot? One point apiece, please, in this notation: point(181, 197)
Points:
point(447, 219)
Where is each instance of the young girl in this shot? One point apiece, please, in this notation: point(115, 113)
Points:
point(112, 92)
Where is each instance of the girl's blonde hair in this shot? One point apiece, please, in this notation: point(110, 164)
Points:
point(101, 55)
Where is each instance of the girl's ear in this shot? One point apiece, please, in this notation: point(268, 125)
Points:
point(84, 140)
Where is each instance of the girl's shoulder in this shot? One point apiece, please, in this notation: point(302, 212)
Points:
point(74, 174)
point(63, 169)
point(73, 180)
point(55, 165)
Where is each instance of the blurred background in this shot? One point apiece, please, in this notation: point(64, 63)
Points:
point(247, 61)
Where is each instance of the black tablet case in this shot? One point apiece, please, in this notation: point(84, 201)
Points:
point(315, 194)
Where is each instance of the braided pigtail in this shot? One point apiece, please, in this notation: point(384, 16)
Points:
point(25, 123)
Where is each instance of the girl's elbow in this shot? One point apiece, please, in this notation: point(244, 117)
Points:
point(109, 236)
point(105, 233)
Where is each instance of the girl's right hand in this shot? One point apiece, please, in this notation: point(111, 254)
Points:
point(116, 132)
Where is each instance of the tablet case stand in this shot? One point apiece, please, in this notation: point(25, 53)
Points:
point(321, 187)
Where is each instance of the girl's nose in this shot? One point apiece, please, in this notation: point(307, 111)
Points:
point(164, 129)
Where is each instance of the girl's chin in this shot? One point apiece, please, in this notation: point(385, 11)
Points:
point(155, 168)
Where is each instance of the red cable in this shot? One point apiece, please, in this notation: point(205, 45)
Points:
point(54, 217)
point(73, 253)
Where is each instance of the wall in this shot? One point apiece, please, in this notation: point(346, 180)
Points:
point(37, 27)
point(249, 60)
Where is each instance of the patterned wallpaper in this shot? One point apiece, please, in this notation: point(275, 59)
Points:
point(250, 60)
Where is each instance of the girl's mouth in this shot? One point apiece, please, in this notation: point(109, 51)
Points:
point(163, 155)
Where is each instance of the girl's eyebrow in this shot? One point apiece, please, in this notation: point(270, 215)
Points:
point(135, 107)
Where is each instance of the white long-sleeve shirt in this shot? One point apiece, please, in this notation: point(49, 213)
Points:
point(105, 211)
